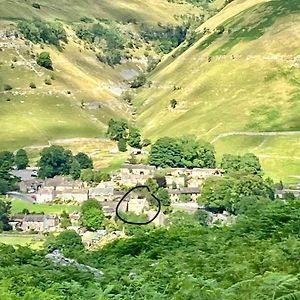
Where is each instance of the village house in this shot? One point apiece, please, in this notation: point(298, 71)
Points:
point(172, 181)
point(38, 223)
point(45, 195)
point(106, 191)
point(137, 169)
point(175, 193)
point(137, 205)
point(63, 188)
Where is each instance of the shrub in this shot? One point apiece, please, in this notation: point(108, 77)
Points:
point(48, 81)
point(32, 85)
point(36, 5)
point(7, 87)
point(44, 60)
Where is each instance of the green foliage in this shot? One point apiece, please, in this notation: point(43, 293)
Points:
point(182, 152)
point(44, 60)
point(54, 160)
point(5, 207)
point(146, 142)
point(139, 81)
point(84, 160)
point(122, 145)
point(134, 138)
point(247, 163)
point(163, 195)
point(7, 181)
point(39, 31)
point(92, 216)
point(152, 184)
point(227, 192)
point(94, 177)
point(21, 159)
point(111, 58)
point(167, 36)
point(65, 220)
point(185, 198)
point(68, 242)
point(117, 129)
point(75, 169)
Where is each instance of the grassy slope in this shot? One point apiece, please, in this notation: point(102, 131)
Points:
point(248, 93)
point(38, 115)
point(72, 10)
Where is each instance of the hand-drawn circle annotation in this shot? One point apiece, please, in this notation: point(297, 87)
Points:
point(138, 223)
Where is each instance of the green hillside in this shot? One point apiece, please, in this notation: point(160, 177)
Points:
point(84, 93)
point(241, 75)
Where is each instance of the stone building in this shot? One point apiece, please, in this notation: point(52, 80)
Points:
point(137, 169)
point(63, 188)
point(175, 193)
point(137, 205)
point(38, 223)
point(179, 182)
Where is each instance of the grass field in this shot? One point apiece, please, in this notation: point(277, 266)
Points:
point(151, 11)
point(34, 241)
point(19, 205)
point(279, 156)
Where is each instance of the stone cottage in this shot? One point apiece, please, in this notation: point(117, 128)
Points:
point(38, 223)
point(175, 193)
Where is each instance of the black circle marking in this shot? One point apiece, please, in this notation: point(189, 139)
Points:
point(138, 223)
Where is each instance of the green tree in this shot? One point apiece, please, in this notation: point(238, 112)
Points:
point(21, 159)
point(92, 216)
point(75, 169)
point(117, 129)
point(5, 208)
point(134, 138)
point(226, 192)
point(152, 184)
point(139, 81)
point(7, 181)
point(182, 152)
point(247, 163)
point(84, 160)
point(65, 220)
point(122, 145)
point(54, 160)
point(44, 60)
point(163, 195)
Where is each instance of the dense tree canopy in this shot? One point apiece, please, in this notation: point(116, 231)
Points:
point(84, 160)
point(44, 60)
point(92, 216)
point(134, 138)
point(247, 163)
point(226, 192)
point(117, 129)
point(182, 152)
point(21, 159)
point(7, 181)
point(54, 160)
point(40, 31)
point(5, 207)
